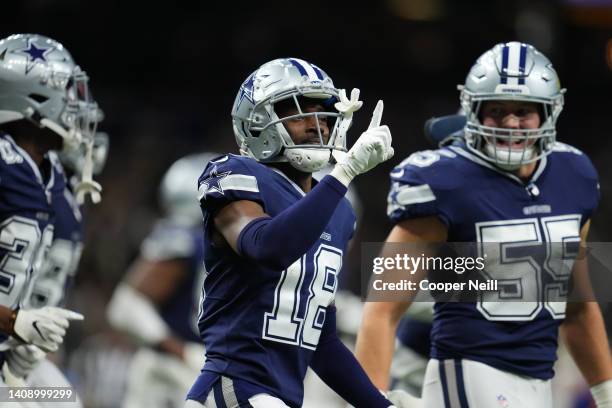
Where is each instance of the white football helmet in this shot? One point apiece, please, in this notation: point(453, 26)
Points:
point(40, 82)
point(178, 191)
point(259, 130)
point(517, 72)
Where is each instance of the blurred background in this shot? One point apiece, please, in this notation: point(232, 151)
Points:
point(166, 76)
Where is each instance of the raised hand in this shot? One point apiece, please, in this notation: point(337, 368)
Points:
point(372, 147)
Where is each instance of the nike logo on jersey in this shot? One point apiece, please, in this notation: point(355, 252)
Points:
point(326, 236)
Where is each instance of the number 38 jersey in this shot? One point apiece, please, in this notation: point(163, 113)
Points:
point(480, 203)
point(259, 324)
point(26, 218)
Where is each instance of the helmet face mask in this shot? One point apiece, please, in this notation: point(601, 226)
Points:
point(260, 131)
point(511, 72)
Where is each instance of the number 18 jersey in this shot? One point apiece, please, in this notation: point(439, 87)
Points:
point(259, 324)
point(480, 203)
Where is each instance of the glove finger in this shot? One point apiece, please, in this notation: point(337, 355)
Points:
point(343, 98)
point(390, 153)
point(69, 314)
point(388, 137)
point(355, 95)
point(48, 346)
point(52, 329)
point(16, 364)
point(377, 115)
point(56, 339)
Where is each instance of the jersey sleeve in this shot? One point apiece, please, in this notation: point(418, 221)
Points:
point(413, 192)
point(227, 179)
point(585, 184)
point(167, 242)
point(590, 190)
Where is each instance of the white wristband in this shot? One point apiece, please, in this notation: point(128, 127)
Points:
point(602, 394)
point(133, 312)
point(340, 174)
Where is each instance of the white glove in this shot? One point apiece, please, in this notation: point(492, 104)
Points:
point(372, 147)
point(602, 394)
point(347, 106)
point(193, 355)
point(44, 327)
point(401, 399)
point(23, 358)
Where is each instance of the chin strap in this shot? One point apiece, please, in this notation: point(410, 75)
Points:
point(87, 185)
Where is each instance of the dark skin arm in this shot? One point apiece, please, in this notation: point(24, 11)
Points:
point(7, 320)
point(583, 329)
point(232, 218)
point(376, 338)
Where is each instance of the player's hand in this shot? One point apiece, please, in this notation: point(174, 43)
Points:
point(44, 327)
point(193, 355)
point(401, 399)
point(23, 358)
point(347, 106)
point(372, 147)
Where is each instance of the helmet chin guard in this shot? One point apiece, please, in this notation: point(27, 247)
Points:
point(308, 160)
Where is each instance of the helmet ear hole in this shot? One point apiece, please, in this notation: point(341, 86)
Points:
point(38, 98)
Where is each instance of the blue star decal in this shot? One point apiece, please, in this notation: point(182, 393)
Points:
point(35, 54)
point(246, 90)
point(213, 182)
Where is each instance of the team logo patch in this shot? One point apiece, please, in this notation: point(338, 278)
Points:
point(35, 55)
point(213, 183)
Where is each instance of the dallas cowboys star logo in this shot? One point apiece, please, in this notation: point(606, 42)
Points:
point(35, 54)
point(246, 90)
point(213, 182)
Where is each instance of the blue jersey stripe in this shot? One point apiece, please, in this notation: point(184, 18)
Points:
point(504, 68)
point(460, 384)
point(444, 384)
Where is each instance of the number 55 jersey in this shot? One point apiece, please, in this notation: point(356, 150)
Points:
point(259, 324)
point(482, 204)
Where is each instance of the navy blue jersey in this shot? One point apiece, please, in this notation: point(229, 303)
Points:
point(414, 334)
point(259, 324)
point(172, 241)
point(479, 203)
point(26, 218)
point(62, 260)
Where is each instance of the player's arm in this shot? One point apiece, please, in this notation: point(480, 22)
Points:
point(278, 241)
point(584, 332)
point(376, 338)
point(345, 376)
point(134, 306)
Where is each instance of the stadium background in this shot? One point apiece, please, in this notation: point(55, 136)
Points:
point(166, 76)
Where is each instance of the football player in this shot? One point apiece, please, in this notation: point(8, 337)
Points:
point(510, 183)
point(157, 302)
point(412, 336)
point(274, 242)
point(45, 105)
point(50, 287)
